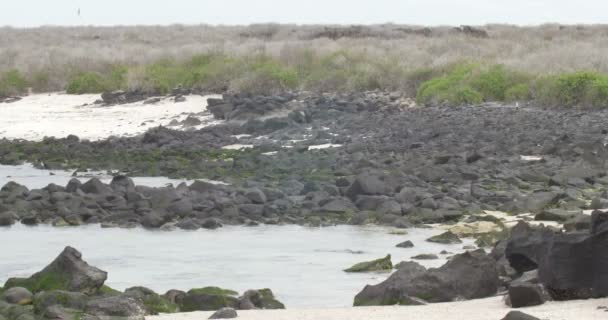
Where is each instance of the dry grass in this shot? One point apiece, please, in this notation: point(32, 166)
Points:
point(49, 56)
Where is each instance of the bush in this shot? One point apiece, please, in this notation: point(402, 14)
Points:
point(265, 75)
point(164, 75)
point(518, 92)
point(579, 89)
point(450, 88)
point(87, 82)
point(494, 82)
point(12, 83)
point(473, 84)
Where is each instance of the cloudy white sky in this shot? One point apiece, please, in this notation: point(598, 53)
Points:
point(425, 12)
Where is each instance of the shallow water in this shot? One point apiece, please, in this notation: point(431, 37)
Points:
point(303, 266)
point(34, 178)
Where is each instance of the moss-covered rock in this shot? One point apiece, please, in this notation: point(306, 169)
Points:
point(383, 264)
point(260, 299)
point(16, 312)
point(17, 295)
point(70, 300)
point(445, 238)
point(67, 272)
point(108, 291)
point(153, 302)
point(208, 299)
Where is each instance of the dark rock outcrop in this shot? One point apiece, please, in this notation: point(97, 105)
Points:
point(518, 315)
point(570, 265)
point(469, 275)
point(382, 264)
point(224, 313)
point(524, 294)
point(67, 272)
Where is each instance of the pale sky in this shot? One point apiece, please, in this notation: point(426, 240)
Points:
point(28, 13)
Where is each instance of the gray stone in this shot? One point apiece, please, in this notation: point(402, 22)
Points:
point(224, 313)
point(76, 275)
point(518, 315)
point(523, 294)
point(17, 295)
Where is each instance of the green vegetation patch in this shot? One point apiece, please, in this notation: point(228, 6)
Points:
point(46, 281)
point(471, 83)
point(208, 299)
point(156, 304)
point(579, 89)
point(382, 264)
point(107, 290)
point(213, 291)
point(12, 83)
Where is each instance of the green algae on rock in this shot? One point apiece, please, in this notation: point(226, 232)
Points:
point(383, 264)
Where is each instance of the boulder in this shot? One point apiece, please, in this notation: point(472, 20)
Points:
point(7, 218)
point(208, 299)
point(189, 224)
point(389, 291)
point(538, 201)
point(174, 296)
point(122, 184)
point(527, 246)
point(67, 272)
point(116, 306)
point(445, 238)
point(470, 275)
point(220, 111)
point(518, 315)
point(405, 244)
point(425, 256)
point(256, 196)
point(558, 215)
point(224, 313)
point(570, 265)
point(260, 299)
point(153, 303)
point(70, 300)
point(382, 264)
point(524, 294)
point(152, 220)
point(211, 224)
point(339, 205)
point(18, 295)
point(367, 184)
point(95, 186)
point(57, 312)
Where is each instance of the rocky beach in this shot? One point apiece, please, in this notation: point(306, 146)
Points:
point(525, 188)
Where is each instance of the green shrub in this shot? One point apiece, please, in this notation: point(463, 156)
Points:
point(582, 89)
point(597, 95)
point(117, 78)
point(165, 75)
point(12, 83)
point(450, 88)
point(464, 96)
point(518, 92)
point(87, 82)
point(473, 84)
point(494, 82)
point(265, 75)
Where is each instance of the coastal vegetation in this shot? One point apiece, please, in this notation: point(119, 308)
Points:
point(435, 65)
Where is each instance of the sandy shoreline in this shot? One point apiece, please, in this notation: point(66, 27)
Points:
point(59, 115)
point(483, 309)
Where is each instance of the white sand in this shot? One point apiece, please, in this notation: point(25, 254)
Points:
point(59, 115)
point(485, 309)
